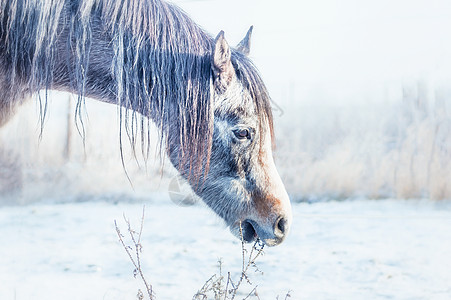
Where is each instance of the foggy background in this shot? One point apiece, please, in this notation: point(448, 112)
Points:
point(361, 93)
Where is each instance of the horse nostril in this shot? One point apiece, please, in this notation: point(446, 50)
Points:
point(280, 227)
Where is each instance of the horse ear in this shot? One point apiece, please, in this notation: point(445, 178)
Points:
point(223, 70)
point(245, 45)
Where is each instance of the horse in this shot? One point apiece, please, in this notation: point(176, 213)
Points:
point(149, 58)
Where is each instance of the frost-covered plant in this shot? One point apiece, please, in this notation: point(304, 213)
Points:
point(134, 252)
point(215, 284)
point(217, 287)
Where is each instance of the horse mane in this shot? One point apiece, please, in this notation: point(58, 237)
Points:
point(160, 69)
point(251, 79)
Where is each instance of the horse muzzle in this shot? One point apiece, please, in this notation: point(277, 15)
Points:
point(270, 233)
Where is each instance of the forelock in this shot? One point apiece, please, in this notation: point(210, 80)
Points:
point(252, 82)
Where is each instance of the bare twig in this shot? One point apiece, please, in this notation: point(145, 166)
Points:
point(229, 280)
point(202, 292)
point(254, 291)
point(137, 247)
point(288, 295)
point(258, 246)
point(215, 285)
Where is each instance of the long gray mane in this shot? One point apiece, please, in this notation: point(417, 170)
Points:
point(158, 64)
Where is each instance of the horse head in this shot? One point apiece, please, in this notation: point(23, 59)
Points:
point(242, 184)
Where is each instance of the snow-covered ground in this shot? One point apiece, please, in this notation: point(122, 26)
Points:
point(388, 249)
point(347, 76)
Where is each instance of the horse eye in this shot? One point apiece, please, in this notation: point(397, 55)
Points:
point(242, 134)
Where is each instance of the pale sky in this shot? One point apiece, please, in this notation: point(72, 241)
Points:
point(347, 46)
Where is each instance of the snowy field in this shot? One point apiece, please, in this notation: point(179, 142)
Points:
point(362, 111)
point(388, 249)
